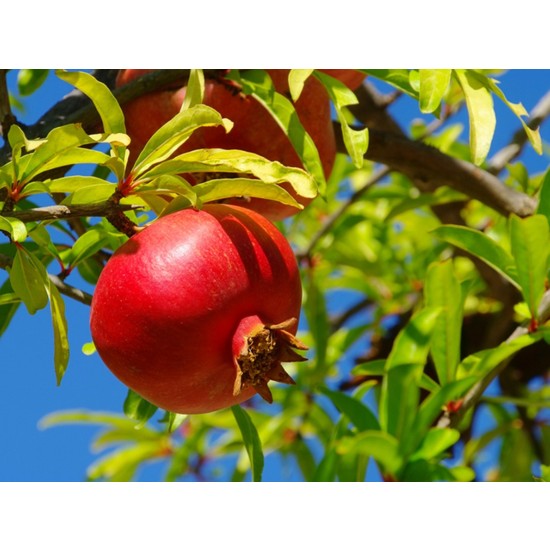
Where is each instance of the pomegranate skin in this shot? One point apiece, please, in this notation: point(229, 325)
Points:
point(169, 305)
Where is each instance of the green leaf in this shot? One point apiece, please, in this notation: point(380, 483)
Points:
point(412, 344)
point(442, 290)
point(530, 244)
point(518, 109)
point(138, 408)
point(315, 310)
point(81, 416)
point(170, 183)
point(166, 140)
point(296, 81)
point(121, 465)
point(29, 80)
point(383, 447)
point(398, 78)
point(433, 405)
point(544, 196)
point(258, 84)
point(16, 228)
point(106, 104)
point(9, 298)
point(433, 85)
point(173, 420)
point(194, 93)
point(357, 412)
point(479, 102)
point(481, 363)
point(482, 246)
point(59, 150)
point(86, 245)
point(436, 441)
point(238, 162)
point(8, 308)
point(60, 332)
point(399, 398)
point(29, 280)
point(216, 190)
point(251, 441)
point(70, 184)
point(356, 141)
point(545, 473)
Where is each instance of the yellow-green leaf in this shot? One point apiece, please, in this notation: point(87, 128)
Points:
point(433, 85)
point(479, 102)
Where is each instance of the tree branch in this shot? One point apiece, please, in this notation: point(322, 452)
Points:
point(431, 168)
point(104, 209)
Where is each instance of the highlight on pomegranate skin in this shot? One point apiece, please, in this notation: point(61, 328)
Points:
point(199, 310)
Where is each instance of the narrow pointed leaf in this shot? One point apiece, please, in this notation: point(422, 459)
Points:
point(29, 280)
point(60, 332)
point(357, 412)
point(86, 245)
point(258, 84)
point(432, 407)
point(533, 135)
point(442, 290)
point(251, 441)
point(530, 243)
point(481, 363)
point(296, 80)
point(194, 92)
point(238, 162)
point(433, 85)
point(479, 102)
point(61, 141)
point(413, 342)
point(356, 141)
point(16, 228)
point(166, 140)
point(215, 190)
point(383, 447)
point(399, 398)
point(138, 408)
point(398, 78)
point(436, 441)
point(544, 197)
point(482, 246)
point(103, 99)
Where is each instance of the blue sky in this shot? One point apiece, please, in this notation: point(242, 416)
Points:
point(26, 373)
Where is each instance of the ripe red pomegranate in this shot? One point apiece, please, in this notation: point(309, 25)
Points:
point(254, 129)
point(197, 311)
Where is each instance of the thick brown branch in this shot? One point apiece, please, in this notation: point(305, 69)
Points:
point(427, 166)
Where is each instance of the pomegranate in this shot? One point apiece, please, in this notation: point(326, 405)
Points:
point(197, 311)
point(254, 129)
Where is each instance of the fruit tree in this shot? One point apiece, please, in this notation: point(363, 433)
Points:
point(313, 267)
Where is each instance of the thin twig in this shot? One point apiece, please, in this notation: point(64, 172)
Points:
point(65, 212)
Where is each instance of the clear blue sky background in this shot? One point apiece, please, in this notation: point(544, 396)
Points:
point(26, 369)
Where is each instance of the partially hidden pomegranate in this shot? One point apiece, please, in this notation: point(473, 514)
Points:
point(254, 128)
point(197, 311)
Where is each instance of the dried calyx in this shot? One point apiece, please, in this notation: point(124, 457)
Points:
point(260, 359)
